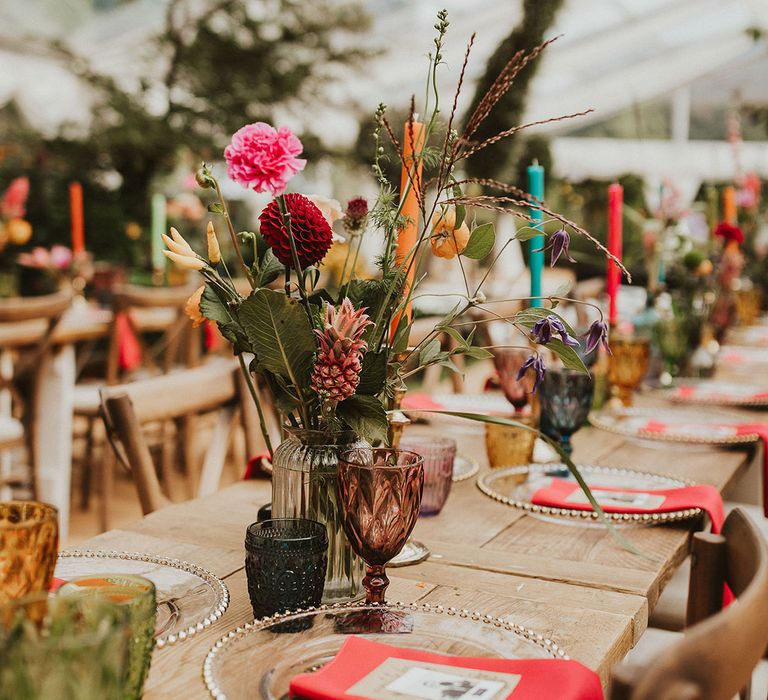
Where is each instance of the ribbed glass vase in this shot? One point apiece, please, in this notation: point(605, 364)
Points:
point(304, 485)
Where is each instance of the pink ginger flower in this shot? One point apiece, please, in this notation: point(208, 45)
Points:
point(14, 198)
point(264, 158)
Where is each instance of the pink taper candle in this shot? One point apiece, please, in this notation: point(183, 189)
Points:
point(615, 203)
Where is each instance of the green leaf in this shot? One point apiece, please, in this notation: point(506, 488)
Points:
point(455, 334)
point(449, 364)
point(568, 355)
point(562, 290)
point(402, 335)
point(477, 353)
point(481, 242)
point(278, 329)
point(374, 373)
point(213, 308)
point(366, 416)
point(461, 214)
point(270, 269)
point(526, 233)
point(430, 352)
point(215, 208)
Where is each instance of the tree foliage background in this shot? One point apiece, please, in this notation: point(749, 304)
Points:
point(234, 62)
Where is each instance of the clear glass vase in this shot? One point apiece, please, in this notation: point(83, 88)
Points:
point(304, 485)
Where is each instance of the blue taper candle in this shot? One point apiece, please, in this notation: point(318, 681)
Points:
point(536, 244)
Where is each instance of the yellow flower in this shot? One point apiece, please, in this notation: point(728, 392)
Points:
point(446, 240)
point(214, 252)
point(329, 208)
point(18, 231)
point(179, 240)
point(192, 307)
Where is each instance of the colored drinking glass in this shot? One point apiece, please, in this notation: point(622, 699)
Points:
point(438, 454)
point(137, 596)
point(627, 366)
point(29, 545)
point(379, 497)
point(565, 396)
point(285, 563)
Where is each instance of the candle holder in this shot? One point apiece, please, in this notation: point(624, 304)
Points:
point(628, 365)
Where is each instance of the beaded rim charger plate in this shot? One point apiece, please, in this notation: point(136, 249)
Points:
point(681, 425)
point(713, 392)
point(515, 486)
point(259, 659)
point(189, 598)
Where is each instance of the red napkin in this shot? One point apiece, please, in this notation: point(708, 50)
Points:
point(56, 583)
point(701, 496)
point(759, 429)
point(416, 402)
point(533, 679)
point(129, 350)
point(687, 392)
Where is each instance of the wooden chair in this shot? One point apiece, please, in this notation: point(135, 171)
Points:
point(716, 657)
point(146, 310)
point(46, 312)
point(127, 408)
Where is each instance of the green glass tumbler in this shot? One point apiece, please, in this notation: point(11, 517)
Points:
point(63, 648)
point(136, 595)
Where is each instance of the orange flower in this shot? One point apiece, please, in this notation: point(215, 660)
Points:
point(446, 240)
point(18, 231)
point(192, 307)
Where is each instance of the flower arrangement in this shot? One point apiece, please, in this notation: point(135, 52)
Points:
point(333, 361)
point(14, 228)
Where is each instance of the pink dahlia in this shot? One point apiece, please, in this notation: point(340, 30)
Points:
point(312, 234)
point(264, 158)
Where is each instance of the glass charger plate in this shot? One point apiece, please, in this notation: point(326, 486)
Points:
point(468, 403)
point(259, 659)
point(464, 468)
point(189, 598)
point(683, 425)
point(504, 485)
point(713, 392)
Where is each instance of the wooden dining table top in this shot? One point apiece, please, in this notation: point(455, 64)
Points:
point(574, 584)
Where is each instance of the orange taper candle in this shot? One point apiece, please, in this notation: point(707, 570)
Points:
point(729, 205)
point(76, 217)
point(413, 142)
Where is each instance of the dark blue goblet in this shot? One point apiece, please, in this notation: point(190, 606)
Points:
point(565, 396)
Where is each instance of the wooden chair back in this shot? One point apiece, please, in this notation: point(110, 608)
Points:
point(720, 649)
point(127, 408)
point(179, 343)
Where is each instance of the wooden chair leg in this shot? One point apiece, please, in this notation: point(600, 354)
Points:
point(213, 466)
point(86, 477)
point(106, 486)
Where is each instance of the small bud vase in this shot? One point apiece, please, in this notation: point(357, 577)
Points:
point(304, 485)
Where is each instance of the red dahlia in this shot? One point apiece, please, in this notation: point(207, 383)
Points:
point(312, 234)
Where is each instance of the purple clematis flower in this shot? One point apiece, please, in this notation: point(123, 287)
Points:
point(537, 364)
point(545, 328)
point(597, 335)
point(559, 243)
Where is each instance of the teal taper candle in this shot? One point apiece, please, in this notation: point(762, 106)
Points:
point(536, 244)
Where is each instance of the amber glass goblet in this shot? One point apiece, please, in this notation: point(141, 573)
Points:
point(628, 365)
point(379, 498)
point(29, 544)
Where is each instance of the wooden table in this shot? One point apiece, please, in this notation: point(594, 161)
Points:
point(573, 584)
